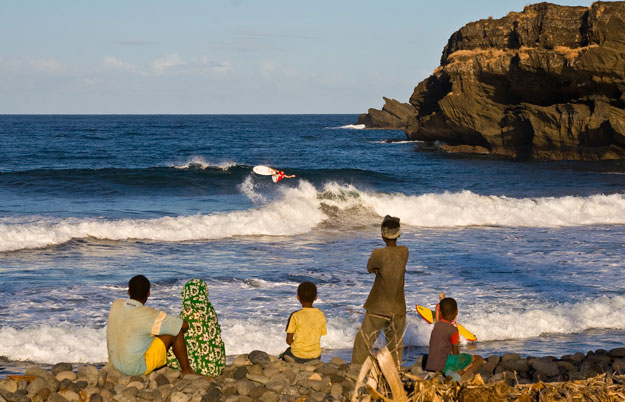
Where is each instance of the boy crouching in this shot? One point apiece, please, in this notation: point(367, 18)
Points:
point(444, 353)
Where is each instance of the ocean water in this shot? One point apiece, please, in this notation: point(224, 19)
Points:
point(533, 251)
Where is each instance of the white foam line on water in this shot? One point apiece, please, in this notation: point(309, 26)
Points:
point(53, 344)
point(353, 127)
point(200, 162)
point(298, 210)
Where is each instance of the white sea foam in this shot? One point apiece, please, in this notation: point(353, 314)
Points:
point(299, 210)
point(354, 126)
point(198, 162)
point(247, 188)
point(53, 344)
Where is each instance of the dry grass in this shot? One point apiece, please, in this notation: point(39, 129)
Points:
point(572, 53)
point(603, 388)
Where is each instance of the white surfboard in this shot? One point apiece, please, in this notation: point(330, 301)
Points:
point(264, 170)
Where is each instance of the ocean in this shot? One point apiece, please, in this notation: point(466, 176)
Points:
point(532, 251)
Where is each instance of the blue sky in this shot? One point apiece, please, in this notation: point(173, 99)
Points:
point(223, 56)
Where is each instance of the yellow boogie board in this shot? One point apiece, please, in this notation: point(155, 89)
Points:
point(428, 315)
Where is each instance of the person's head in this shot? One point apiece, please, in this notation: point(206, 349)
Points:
point(390, 228)
point(441, 296)
point(195, 295)
point(307, 293)
point(139, 288)
point(449, 309)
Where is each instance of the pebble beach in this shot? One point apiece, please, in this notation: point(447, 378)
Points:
point(258, 376)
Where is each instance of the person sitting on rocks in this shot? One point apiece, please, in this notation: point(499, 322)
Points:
point(444, 353)
point(206, 350)
point(305, 327)
point(138, 336)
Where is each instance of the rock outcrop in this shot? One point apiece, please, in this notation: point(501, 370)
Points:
point(544, 83)
point(394, 116)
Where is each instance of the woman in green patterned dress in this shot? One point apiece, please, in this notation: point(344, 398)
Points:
point(207, 354)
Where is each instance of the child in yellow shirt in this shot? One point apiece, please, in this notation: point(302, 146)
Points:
point(305, 327)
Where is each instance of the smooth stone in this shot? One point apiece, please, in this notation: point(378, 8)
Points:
point(315, 376)
point(96, 398)
point(269, 396)
point(60, 367)
point(213, 394)
point(8, 385)
point(603, 360)
point(146, 394)
point(516, 365)
point(315, 385)
point(617, 352)
point(259, 357)
point(270, 372)
point(257, 392)
point(17, 397)
point(317, 396)
point(494, 359)
point(230, 398)
point(601, 352)
point(69, 395)
point(35, 386)
point(241, 361)
point(165, 391)
point(66, 375)
point(36, 371)
point(337, 361)
point(257, 378)
point(336, 390)
point(275, 386)
point(172, 374)
point(240, 373)
point(290, 376)
point(161, 380)
point(549, 369)
point(568, 366)
point(136, 384)
point(106, 395)
point(510, 357)
point(56, 397)
point(244, 387)
point(244, 398)
point(327, 370)
point(43, 393)
point(255, 369)
point(619, 366)
point(52, 383)
point(179, 397)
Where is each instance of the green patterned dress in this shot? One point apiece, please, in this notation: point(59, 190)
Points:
point(207, 354)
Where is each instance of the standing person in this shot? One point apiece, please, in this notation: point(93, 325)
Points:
point(386, 304)
point(206, 350)
point(305, 327)
point(138, 336)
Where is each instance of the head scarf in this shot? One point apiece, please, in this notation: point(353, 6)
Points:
point(207, 354)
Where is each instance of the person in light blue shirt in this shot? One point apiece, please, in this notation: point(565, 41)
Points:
point(138, 336)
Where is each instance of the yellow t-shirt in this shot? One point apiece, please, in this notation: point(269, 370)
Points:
point(307, 325)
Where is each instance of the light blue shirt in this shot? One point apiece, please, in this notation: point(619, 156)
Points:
point(130, 331)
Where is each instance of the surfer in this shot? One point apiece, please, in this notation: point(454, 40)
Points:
point(279, 175)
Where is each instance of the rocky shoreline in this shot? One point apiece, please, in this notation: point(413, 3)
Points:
point(259, 376)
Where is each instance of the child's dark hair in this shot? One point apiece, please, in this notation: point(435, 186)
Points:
point(449, 307)
point(138, 287)
point(307, 292)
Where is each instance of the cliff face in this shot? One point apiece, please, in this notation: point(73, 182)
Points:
point(545, 83)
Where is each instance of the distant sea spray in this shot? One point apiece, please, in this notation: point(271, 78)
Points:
point(300, 209)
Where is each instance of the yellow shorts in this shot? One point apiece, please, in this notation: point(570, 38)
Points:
point(156, 355)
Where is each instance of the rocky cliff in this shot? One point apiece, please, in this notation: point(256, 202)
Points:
point(544, 83)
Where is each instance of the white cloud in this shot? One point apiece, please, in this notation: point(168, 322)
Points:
point(120, 64)
point(167, 63)
point(268, 67)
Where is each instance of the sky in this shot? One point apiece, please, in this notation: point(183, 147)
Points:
point(223, 56)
